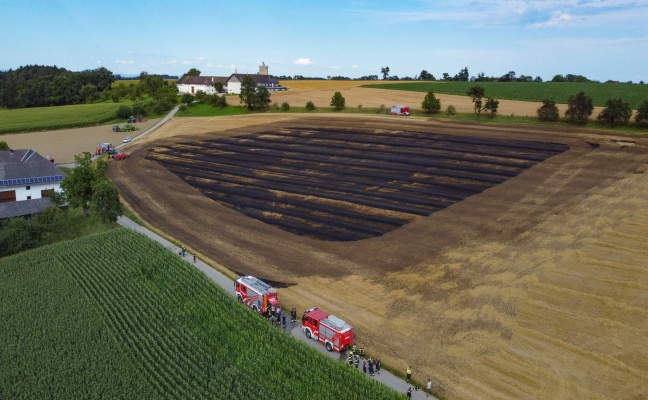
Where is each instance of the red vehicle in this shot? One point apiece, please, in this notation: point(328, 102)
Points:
point(332, 331)
point(256, 294)
point(120, 156)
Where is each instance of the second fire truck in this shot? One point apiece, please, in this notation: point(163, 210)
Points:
point(256, 294)
point(332, 331)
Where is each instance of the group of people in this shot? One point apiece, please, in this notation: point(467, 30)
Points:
point(408, 379)
point(278, 317)
point(355, 355)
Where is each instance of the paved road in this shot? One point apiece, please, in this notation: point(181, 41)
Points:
point(293, 329)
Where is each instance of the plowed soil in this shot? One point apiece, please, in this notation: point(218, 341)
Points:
point(534, 287)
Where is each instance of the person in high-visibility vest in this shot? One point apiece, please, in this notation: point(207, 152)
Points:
point(409, 373)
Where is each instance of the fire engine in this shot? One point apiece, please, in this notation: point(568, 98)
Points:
point(256, 294)
point(332, 331)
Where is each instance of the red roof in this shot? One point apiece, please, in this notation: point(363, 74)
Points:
point(317, 314)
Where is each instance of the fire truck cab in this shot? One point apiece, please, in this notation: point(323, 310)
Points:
point(332, 331)
point(256, 294)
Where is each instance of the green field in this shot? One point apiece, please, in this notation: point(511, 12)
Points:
point(116, 315)
point(207, 110)
point(633, 94)
point(60, 117)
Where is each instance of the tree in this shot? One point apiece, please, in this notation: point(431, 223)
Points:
point(255, 98)
point(3, 145)
point(337, 101)
point(615, 113)
point(187, 98)
point(77, 186)
point(431, 105)
point(558, 78)
point(491, 106)
point(579, 108)
point(476, 93)
point(641, 118)
point(510, 77)
point(462, 75)
point(426, 76)
point(192, 72)
point(310, 106)
point(105, 201)
point(219, 87)
point(19, 234)
point(385, 72)
point(548, 111)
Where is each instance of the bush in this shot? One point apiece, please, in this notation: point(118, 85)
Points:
point(615, 113)
point(382, 110)
point(431, 105)
point(187, 98)
point(451, 110)
point(338, 101)
point(124, 112)
point(218, 101)
point(548, 111)
point(285, 106)
point(579, 108)
point(491, 106)
point(19, 234)
point(310, 106)
point(139, 109)
point(162, 106)
point(641, 118)
point(359, 107)
point(182, 107)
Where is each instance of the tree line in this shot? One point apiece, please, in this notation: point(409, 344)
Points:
point(42, 86)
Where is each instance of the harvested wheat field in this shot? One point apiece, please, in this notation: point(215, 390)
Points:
point(519, 272)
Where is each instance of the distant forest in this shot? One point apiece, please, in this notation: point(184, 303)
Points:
point(41, 86)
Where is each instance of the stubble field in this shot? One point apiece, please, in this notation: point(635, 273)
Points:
point(535, 287)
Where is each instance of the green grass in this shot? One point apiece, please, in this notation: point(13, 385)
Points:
point(206, 110)
point(60, 117)
point(116, 315)
point(633, 94)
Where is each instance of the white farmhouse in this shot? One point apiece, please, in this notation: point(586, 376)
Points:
point(194, 84)
point(231, 84)
point(26, 179)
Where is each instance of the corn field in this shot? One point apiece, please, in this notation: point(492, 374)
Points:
point(116, 315)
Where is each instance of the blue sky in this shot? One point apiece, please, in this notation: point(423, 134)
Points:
point(601, 39)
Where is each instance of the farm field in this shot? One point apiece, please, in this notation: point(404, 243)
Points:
point(633, 94)
point(368, 183)
point(533, 287)
point(116, 315)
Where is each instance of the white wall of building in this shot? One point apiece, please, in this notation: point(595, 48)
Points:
point(23, 193)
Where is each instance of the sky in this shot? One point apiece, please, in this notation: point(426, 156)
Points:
point(600, 39)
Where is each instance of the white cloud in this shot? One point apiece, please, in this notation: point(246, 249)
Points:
point(170, 62)
point(125, 62)
point(562, 18)
point(354, 66)
point(186, 62)
point(201, 58)
point(303, 61)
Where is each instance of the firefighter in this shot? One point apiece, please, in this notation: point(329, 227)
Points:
point(283, 320)
point(293, 314)
point(408, 371)
point(409, 393)
point(378, 365)
point(371, 367)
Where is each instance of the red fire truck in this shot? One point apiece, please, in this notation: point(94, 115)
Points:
point(257, 294)
point(332, 331)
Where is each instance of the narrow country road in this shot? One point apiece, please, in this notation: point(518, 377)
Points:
point(293, 329)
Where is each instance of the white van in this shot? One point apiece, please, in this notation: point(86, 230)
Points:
point(400, 110)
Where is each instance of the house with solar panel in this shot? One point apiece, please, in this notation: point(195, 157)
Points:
point(26, 180)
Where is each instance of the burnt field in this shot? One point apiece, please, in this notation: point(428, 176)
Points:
point(339, 184)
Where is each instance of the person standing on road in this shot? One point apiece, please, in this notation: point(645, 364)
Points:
point(408, 371)
point(364, 366)
point(428, 388)
point(371, 366)
point(378, 365)
point(194, 258)
point(409, 393)
point(283, 320)
point(293, 314)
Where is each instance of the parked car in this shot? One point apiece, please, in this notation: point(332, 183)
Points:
point(128, 139)
point(120, 156)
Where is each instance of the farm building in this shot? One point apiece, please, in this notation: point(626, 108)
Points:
point(26, 179)
point(231, 84)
